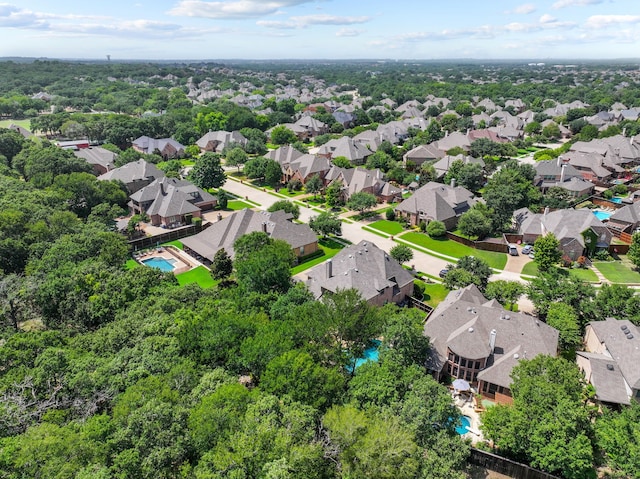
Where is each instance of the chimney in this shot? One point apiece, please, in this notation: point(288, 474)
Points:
point(264, 227)
point(562, 168)
point(162, 188)
point(546, 210)
point(453, 182)
point(329, 268)
point(492, 340)
point(558, 163)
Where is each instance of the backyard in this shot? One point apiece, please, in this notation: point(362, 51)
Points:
point(618, 271)
point(447, 247)
point(588, 275)
point(200, 275)
point(330, 248)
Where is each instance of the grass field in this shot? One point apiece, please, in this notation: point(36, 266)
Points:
point(131, 264)
point(456, 250)
point(617, 272)
point(386, 226)
point(330, 248)
point(176, 243)
point(235, 205)
point(434, 293)
point(200, 275)
point(23, 123)
point(587, 275)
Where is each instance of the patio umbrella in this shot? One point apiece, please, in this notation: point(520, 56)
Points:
point(461, 385)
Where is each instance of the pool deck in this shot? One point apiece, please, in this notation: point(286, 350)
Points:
point(184, 262)
point(467, 408)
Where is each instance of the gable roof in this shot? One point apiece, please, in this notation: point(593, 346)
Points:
point(606, 378)
point(96, 155)
point(149, 145)
point(442, 166)
point(363, 266)
point(284, 155)
point(224, 233)
point(437, 201)
point(463, 323)
point(347, 147)
point(221, 137)
point(151, 192)
point(627, 214)
point(133, 172)
point(567, 225)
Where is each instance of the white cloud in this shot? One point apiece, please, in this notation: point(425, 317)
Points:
point(603, 21)
point(574, 3)
point(348, 32)
point(311, 20)
point(546, 18)
point(523, 9)
point(231, 10)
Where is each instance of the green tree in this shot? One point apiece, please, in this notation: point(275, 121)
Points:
point(333, 194)
point(617, 434)
point(564, 318)
point(468, 270)
point(548, 423)
point(223, 199)
point(208, 172)
point(222, 265)
point(298, 375)
point(401, 253)
point(506, 293)
point(272, 172)
point(313, 185)
point(286, 206)
point(267, 269)
point(236, 157)
point(634, 250)
point(362, 202)
point(281, 135)
point(475, 222)
point(325, 223)
point(548, 252)
point(341, 162)
point(436, 229)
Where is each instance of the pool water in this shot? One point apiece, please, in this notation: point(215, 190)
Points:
point(370, 354)
point(602, 215)
point(463, 425)
point(163, 264)
point(616, 199)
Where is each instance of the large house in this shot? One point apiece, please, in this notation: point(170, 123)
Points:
point(626, 219)
point(101, 159)
point(134, 175)
point(356, 180)
point(442, 166)
point(167, 148)
point(436, 202)
point(610, 362)
point(304, 167)
point(422, 153)
point(216, 141)
point(371, 271)
point(580, 232)
point(558, 173)
point(477, 340)
point(224, 233)
point(170, 202)
point(354, 151)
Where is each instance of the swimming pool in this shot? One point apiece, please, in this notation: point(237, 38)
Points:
point(616, 199)
point(463, 425)
point(370, 354)
point(163, 264)
point(602, 215)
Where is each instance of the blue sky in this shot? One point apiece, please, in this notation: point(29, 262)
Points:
point(321, 29)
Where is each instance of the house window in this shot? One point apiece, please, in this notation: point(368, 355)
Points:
point(301, 250)
point(455, 371)
point(492, 388)
point(468, 376)
point(463, 362)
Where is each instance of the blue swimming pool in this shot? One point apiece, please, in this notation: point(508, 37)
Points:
point(602, 215)
point(166, 265)
point(616, 199)
point(463, 425)
point(370, 354)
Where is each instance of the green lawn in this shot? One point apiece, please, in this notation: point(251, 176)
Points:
point(386, 226)
point(434, 293)
point(200, 275)
point(176, 243)
point(530, 268)
point(617, 272)
point(23, 123)
point(291, 194)
point(131, 264)
point(584, 274)
point(456, 250)
point(330, 248)
point(236, 205)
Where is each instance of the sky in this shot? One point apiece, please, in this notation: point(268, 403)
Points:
point(320, 29)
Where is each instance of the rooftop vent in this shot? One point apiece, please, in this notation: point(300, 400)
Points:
point(610, 367)
point(624, 327)
point(470, 330)
point(516, 356)
point(629, 336)
point(469, 308)
point(507, 317)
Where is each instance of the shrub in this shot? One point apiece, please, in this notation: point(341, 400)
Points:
point(294, 185)
point(390, 214)
point(620, 189)
point(422, 226)
point(418, 290)
point(436, 229)
point(607, 194)
point(603, 255)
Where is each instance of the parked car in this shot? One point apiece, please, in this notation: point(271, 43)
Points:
point(513, 249)
point(526, 249)
point(532, 255)
point(443, 272)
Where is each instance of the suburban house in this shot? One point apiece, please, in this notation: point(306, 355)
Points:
point(593, 167)
point(369, 138)
point(354, 151)
point(436, 202)
point(626, 219)
point(311, 126)
point(371, 271)
point(580, 232)
point(477, 340)
point(610, 362)
point(170, 202)
point(422, 153)
point(216, 141)
point(356, 180)
point(224, 233)
point(559, 173)
point(134, 175)
point(284, 155)
point(101, 159)
point(167, 148)
point(453, 140)
point(394, 132)
point(305, 167)
point(442, 166)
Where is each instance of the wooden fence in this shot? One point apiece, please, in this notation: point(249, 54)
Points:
point(171, 235)
point(498, 247)
point(506, 466)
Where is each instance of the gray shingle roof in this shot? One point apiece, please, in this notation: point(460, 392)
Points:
point(624, 351)
point(464, 321)
point(437, 201)
point(606, 378)
point(97, 155)
point(363, 266)
point(135, 171)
